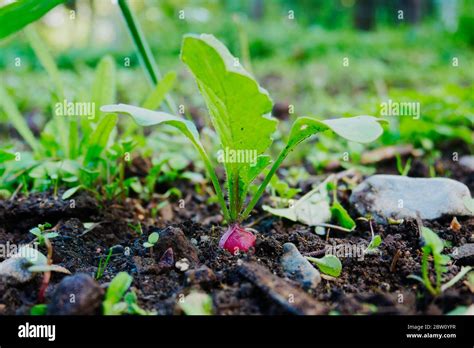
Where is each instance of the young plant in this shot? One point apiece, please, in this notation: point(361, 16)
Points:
point(118, 301)
point(42, 232)
point(152, 240)
point(328, 264)
point(338, 212)
point(39, 263)
point(103, 264)
point(433, 246)
point(403, 169)
point(240, 112)
point(375, 240)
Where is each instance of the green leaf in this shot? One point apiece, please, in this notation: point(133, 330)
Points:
point(16, 118)
point(311, 209)
point(239, 108)
point(70, 192)
point(51, 235)
point(146, 117)
point(118, 287)
point(157, 96)
point(153, 238)
point(362, 129)
point(432, 240)
point(6, 156)
point(46, 59)
point(148, 245)
point(99, 139)
point(329, 264)
point(459, 310)
point(39, 309)
point(104, 87)
point(374, 243)
point(340, 214)
point(197, 303)
point(17, 15)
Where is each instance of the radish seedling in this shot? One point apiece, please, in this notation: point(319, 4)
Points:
point(239, 109)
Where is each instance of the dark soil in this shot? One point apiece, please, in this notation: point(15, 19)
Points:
point(239, 284)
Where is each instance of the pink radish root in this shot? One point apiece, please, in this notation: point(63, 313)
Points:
point(237, 239)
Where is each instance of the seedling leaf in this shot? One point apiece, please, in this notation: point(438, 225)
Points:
point(340, 214)
point(153, 238)
point(157, 96)
point(18, 14)
point(239, 108)
point(197, 303)
point(312, 209)
point(329, 264)
point(70, 192)
point(118, 287)
point(146, 117)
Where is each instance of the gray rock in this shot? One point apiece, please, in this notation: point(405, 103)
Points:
point(298, 268)
point(14, 271)
point(467, 162)
point(464, 254)
point(76, 295)
point(401, 197)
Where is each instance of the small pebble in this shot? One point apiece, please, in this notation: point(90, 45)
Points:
point(182, 265)
point(298, 268)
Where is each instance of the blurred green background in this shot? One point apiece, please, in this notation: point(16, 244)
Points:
point(405, 50)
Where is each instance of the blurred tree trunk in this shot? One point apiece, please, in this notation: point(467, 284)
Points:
point(364, 14)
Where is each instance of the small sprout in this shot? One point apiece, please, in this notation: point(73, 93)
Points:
point(42, 233)
point(118, 301)
point(137, 228)
point(373, 245)
point(433, 246)
point(392, 221)
point(329, 264)
point(338, 212)
point(39, 309)
point(196, 303)
point(103, 264)
point(403, 169)
point(152, 240)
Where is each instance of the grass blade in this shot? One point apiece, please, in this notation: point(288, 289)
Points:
point(144, 53)
point(16, 118)
point(17, 15)
point(156, 97)
point(99, 139)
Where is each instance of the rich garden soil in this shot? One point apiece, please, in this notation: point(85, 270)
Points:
point(251, 283)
